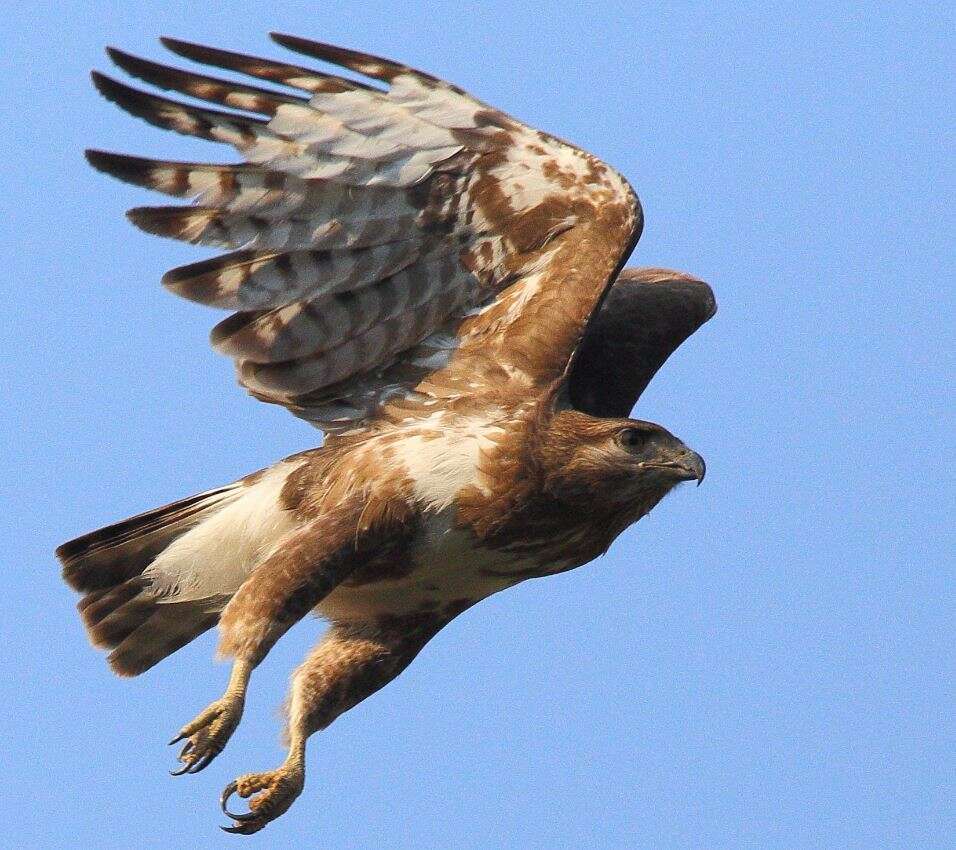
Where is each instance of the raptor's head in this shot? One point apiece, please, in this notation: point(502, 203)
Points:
point(614, 463)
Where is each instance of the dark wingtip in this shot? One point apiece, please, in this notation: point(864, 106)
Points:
point(205, 55)
point(697, 292)
point(316, 49)
point(160, 221)
point(129, 169)
point(136, 66)
point(97, 78)
point(377, 67)
point(127, 98)
point(116, 55)
point(178, 46)
point(141, 216)
point(704, 294)
point(97, 158)
point(106, 86)
point(133, 65)
point(294, 41)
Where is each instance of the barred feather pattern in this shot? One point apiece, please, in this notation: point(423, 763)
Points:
point(388, 244)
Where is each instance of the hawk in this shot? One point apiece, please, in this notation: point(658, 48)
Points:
point(439, 288)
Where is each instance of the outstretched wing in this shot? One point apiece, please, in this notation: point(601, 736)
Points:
point(646, 315)
point(387, 245)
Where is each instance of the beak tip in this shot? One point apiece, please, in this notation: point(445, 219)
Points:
point(699, 467)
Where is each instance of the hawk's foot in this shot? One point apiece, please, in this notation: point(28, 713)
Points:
point(279, 789)
point(208, 733)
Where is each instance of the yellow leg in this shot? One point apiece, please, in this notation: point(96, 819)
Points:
point(350, 663)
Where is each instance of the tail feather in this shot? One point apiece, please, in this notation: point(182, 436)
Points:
point(110, 615)
point(109, 556)
point(159, 630)
point(120, 609)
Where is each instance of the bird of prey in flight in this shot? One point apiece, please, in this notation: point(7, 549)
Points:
point(439, 288)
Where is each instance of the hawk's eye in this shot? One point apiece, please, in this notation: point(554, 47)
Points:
point(631, 439)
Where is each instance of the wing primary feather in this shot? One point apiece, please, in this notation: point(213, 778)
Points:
point(226, 92)
point(188, 120)
point(294, 76)
point(212, 225)
point(188, 224)
point(362, 63)
point(130, 169)
point(184, 179)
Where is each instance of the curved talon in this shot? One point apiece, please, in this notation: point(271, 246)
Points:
point(268, 796)
point(207, 735)
point(227, 792)
point(194, 764)
point(201, 763)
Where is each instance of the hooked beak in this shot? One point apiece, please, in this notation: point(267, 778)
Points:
point(695, 467)
point(687, 465)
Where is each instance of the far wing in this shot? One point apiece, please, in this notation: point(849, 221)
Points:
point(406, 242)
point(646, 315)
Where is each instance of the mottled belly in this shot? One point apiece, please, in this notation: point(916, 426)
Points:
point(442, 570)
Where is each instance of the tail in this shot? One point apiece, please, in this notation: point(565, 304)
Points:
point(121, 608)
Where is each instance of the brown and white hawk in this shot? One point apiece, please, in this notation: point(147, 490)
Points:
point(438, 287)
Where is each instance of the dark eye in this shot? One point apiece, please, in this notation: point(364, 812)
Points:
point(631, 439)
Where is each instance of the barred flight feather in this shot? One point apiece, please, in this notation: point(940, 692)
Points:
point(385, 339)
point(294, 76)
point(202, 87)
point(257, 280)
point(309, 328)
point(392, 244)
point(213, 226)
point(210, 124)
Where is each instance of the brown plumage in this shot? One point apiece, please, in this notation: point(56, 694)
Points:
point(436, 285)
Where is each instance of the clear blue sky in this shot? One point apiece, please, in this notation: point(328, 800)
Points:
point(766, 661)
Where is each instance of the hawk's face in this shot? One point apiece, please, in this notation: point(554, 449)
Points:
point(617, 463)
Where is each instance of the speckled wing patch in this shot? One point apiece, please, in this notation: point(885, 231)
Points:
point(394, 242)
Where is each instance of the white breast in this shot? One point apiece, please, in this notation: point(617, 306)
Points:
point(443, 465)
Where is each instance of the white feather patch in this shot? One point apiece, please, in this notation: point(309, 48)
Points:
point(216, 556)
point(440, 467)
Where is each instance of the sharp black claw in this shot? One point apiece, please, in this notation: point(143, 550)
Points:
point(227, 792)
point(234, 830)
point(180, 771)
point(201, 763)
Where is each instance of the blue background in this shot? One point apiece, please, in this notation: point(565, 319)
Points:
point(766, 661)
